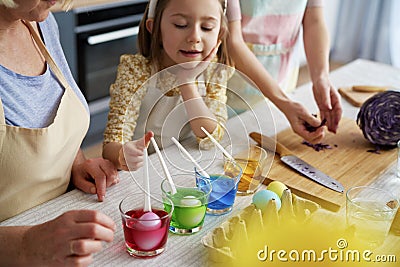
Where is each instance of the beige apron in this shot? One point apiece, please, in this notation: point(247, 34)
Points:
point(164, 115)
point(35, 164)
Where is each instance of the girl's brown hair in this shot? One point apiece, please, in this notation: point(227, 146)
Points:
point(150, 43)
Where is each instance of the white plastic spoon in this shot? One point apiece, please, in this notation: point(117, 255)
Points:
point(190, 201)
point(229, 156)
point(164, 166)
point(187, 200)
point(149, 219)
point(226, 153)
point(190, 157)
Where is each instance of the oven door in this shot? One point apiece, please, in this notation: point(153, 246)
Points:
point(94, 37)
point(100, 46)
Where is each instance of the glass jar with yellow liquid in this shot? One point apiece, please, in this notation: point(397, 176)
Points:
point(253, 161)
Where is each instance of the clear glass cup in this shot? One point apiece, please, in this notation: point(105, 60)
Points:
point(190, 203)
point(224, 178)
point(253, 161)
point(369, 213)
point(145, 236)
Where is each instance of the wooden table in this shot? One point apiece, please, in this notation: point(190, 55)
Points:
point(188, 250)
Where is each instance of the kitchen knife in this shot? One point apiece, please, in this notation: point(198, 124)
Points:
point(296, 163)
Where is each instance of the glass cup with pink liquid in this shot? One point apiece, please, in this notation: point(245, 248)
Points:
point(145, 236)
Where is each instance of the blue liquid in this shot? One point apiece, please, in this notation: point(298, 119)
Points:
point(223, 192)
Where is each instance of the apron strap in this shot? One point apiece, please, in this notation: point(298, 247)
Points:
point(46, 54)
point(2, 117)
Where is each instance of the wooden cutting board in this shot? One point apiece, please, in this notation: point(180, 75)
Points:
point(355, 98)
point(348, 162)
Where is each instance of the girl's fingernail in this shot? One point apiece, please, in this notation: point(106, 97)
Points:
point(93, 190)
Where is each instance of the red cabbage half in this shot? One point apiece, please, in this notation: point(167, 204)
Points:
point(379, 119)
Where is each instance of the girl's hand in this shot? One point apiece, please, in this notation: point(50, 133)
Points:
point(69, 240)
point(189, 71)
point(131, 154)
point(94, 176)
point(213, 52)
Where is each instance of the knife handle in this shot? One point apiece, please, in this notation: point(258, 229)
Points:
point(368, 88)
point(270, 144)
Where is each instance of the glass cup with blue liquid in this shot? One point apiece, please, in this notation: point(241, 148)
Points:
point(224, 179)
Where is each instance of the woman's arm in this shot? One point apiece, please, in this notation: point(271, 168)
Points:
point(11, 243)
point(316, 45)
point(69, 240)
point(247, 62)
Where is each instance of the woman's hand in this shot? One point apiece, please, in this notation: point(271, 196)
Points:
point(299, 117)
point(131, 153)
point(69, 240)
point(94, 176)
point(328, 101)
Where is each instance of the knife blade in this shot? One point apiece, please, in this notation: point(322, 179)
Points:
point(287, 157)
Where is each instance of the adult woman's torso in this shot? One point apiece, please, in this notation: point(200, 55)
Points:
point(38, 145)
point(271, 28)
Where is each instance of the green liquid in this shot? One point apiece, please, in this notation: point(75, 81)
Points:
point(184, 215)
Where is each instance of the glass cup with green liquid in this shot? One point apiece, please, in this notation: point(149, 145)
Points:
point(190, 203)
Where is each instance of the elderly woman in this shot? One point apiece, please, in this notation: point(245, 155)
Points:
point(43, 120)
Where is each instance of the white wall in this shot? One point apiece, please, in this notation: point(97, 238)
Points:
point(331, 15)
point(331, 8)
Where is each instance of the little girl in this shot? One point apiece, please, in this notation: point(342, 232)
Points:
point(172, 32)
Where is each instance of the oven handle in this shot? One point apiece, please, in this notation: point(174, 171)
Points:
point(111, 36)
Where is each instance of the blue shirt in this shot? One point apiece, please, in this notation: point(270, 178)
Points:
point(32, 101)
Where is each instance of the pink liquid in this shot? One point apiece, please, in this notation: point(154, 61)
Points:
point(141, 238)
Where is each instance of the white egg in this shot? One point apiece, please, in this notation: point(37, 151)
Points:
point(190, 201)
point(148, 222)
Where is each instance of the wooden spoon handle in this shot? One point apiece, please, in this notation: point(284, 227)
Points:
point(369, 88)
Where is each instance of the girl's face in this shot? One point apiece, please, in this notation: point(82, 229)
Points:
point(189, 30)
point(31, 10)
